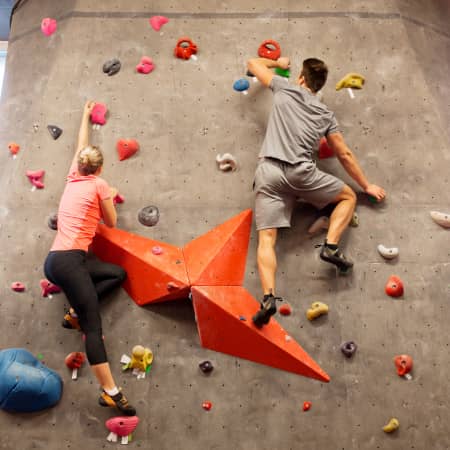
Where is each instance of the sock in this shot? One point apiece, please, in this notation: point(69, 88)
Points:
point(331, 246)
point(74, 315)
point(112, 392)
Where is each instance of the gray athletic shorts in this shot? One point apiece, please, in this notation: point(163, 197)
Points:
point(279, 185)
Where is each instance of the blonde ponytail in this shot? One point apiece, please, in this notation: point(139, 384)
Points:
point(90, 159)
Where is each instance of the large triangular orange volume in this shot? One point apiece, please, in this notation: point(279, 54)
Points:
point(152, 276)
point(224, 314)
point(218, 257)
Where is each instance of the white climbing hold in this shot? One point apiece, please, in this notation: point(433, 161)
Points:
point(226, 162)
point(441, 218)
point(388, 253)
point(322, 223)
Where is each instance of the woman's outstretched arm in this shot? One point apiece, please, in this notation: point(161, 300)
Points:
point(83, 134)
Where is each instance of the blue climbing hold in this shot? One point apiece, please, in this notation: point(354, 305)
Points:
point(241, 85)
point(26, 385)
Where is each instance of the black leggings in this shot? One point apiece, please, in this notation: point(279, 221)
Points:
point(84, 279)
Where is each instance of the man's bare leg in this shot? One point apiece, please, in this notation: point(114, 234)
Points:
point(342, 214)
point(267, 259)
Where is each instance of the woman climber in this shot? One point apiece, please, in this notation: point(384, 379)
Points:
point(86, 199)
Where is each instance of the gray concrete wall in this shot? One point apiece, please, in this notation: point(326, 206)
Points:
point(183, 114)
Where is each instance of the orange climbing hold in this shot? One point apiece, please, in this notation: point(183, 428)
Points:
point(225, 305)
point(13, 148)
point(218, 257)
point(185, 48)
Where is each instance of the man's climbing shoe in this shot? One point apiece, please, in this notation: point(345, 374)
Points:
point(70, 322)
point(118, 401)
point(335, 257)
point(267, 310)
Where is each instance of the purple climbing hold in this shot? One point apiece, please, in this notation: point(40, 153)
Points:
point(206, 366)
point(53, 221)
point(148, 216)
point(348, 348)
point(55, 131)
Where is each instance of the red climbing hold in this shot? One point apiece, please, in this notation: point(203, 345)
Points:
point(118, 198)
point(157, 22)
point(13, 148)
point(269, 49)
point(48, 26)
point(325, 151)
point(394, 286)
point(207, 406)
point(285, 309)
point(35, 177)
point(404, 364)
point(127, 148)
point(146, 65)
point(17, 286)
point(307, 406)
point(48, 288)
point(75, 360)
point(98, 114)
point(185, 48)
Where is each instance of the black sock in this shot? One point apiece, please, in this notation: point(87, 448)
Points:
point(331, 246)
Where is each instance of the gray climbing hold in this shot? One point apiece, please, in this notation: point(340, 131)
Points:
point(441, 218)
point(112, 66)
point(148, 216)
point(54, 131)
point(355, 220)
point(388, 253)
point(53, 221)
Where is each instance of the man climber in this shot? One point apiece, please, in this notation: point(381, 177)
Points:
point(287, 171)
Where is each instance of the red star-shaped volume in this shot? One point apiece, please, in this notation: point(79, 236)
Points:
point(212, 268)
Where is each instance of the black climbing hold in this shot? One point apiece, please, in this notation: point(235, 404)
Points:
point(348, 348)
point(53, 221)
point(112, 66)
point(148, 216)
point(206, 366)
point(55, 131)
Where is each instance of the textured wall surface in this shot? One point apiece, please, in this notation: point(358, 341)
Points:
point(183, 114)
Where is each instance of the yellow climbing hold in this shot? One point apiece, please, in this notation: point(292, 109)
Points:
point(351, 80)
point(391, 426)
point(141, 358)
point(316, 310)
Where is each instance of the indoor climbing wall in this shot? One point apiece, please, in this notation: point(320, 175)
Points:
point(183, 114)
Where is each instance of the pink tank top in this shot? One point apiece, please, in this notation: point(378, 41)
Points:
point(79, 210)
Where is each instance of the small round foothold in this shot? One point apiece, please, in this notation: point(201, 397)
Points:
point(13, 148)
point(48, 26)
point(112, 66)
point(387, 252)
point(285, 309)
point(148, 216)
point(17, 286)
point(392, 425)
point(206, 366)
point(394, 286)
point(241, 85)
point(348, 348)
point(54, 131)
point(52, 221)
point(157, 250)
point(207, 406)
point(307, 406)
point(404, 364)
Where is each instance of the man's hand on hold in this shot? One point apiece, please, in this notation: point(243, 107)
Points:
point(284, 62)
point(376, 191)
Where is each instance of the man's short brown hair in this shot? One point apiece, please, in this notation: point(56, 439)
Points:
point(315, 73)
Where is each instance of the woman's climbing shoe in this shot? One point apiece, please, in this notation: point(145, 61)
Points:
point(118, 401)
point(70, 322)
point(267, 310)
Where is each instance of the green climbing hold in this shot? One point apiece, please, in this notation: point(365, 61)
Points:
point(372, 199)
point(283, 72)
point(40, 356)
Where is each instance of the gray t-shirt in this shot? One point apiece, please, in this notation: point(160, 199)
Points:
point(297, 122)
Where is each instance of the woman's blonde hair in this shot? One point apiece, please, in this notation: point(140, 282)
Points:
point(89, 160)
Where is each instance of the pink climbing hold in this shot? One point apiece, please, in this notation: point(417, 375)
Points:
point(17, 286)
point(285, 310)
point(146, 65)
point(48, 288)
point(98, 114)
point(118, 199)
point(121, 426)
point(157, 22)
point(35, 177)
point(157, 250)
point(48, 26)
